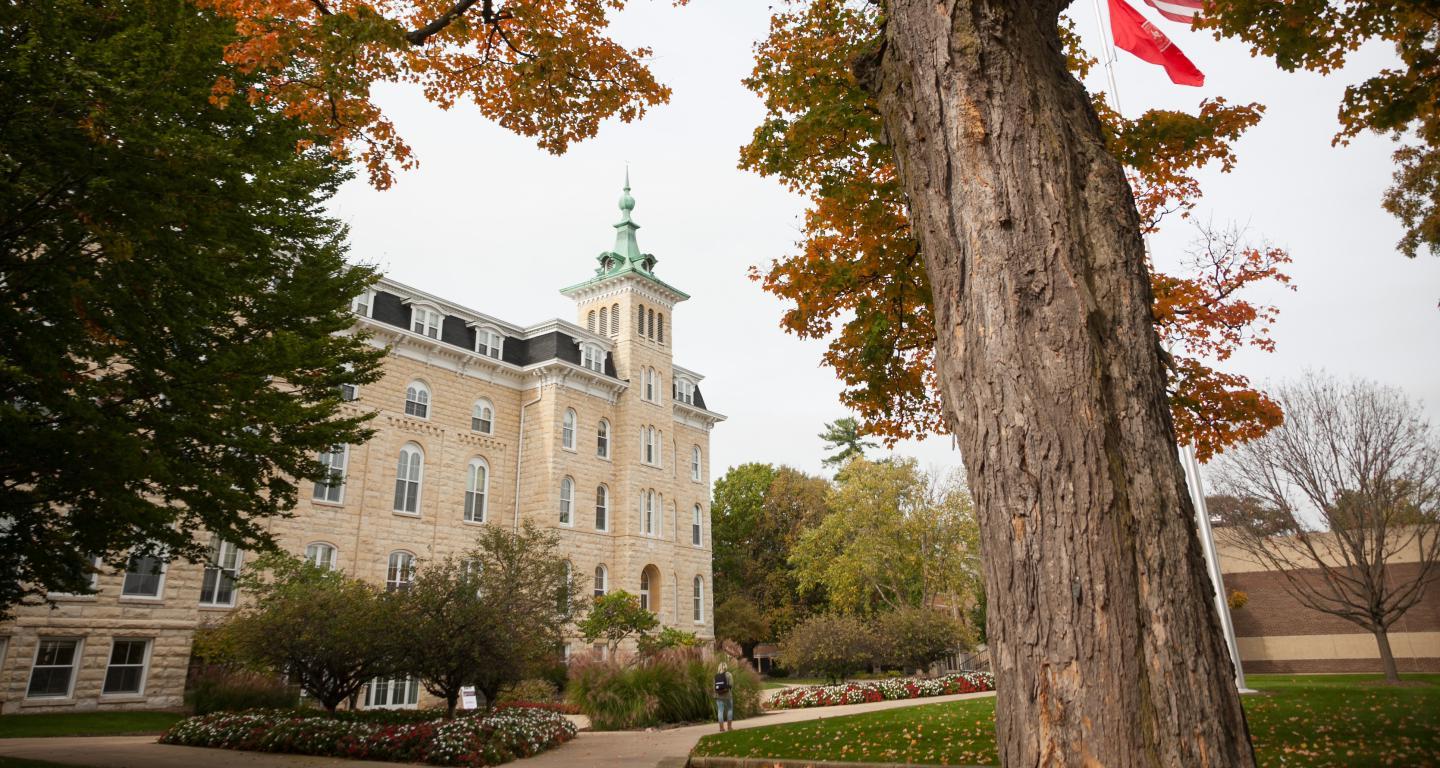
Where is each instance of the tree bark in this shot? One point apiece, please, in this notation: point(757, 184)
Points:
point(1387, 657)
point(1102, 626)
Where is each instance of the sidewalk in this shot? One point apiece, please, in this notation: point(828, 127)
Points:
point(602, 749)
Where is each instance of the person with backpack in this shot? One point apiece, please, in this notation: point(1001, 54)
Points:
point(724, 698)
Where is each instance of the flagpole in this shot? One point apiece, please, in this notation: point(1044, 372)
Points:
point(1188, 460)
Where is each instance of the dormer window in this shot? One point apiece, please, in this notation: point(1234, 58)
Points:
point(685, 391)
point(425, 321)
point(489, 342)
point(592, 357)
point(361, 304)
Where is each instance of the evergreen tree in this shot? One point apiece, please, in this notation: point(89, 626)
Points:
point(843, 435)
point(173, 298)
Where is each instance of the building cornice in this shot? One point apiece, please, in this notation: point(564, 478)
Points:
point(606, 287)
point(697, 417)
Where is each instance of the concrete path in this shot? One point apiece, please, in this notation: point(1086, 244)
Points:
point(602, 749)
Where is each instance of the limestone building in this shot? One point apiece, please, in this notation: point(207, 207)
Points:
point(588, 428)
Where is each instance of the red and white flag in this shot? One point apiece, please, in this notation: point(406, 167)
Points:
point(1136, 34)
point(1183, 11)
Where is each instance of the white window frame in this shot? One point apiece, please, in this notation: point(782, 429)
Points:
point(646, 588)
point(220, 548)
point(568, 424)
point(567, 501)
point(426, 320)
point(477, 512)
point(395, 579)
point(144, 666)
point(482, 417)
point(697, 528)
point(312, 555)
point(695, 462)
point(417, 400)
point(592, 357)
point(159, 584)
point(402, 475)
point(74, 666)
point(602, 439)
point(698, 594)
point(602, 580)
point(334, 484)
point(489, 342)
point(409, 684)
point(602, 507)
point(363, 304)
point(349, 392)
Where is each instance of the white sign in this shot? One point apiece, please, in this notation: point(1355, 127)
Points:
point(467, 698)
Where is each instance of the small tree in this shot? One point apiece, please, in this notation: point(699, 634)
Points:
point(915, 638)
point(328, 632)
point(615, 617)
point(738, 619)
point(1332, 499)
point(829, 645)
point(445, 607)
point(525, 585)
point(664, 640)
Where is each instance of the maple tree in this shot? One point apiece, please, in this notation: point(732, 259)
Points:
point(859, 281)
point(1402, 101)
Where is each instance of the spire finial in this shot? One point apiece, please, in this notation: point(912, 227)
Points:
point(627, 203)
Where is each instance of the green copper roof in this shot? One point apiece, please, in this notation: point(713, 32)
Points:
point(625, 258)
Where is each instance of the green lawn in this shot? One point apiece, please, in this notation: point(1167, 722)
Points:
point(1298, 720)
point(85, 724)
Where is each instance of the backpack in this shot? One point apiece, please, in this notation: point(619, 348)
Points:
point(722, 683)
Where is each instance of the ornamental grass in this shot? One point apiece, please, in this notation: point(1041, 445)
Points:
point(467, 740)
point(671, 686)
point(881, 690)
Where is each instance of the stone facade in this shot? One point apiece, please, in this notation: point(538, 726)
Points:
point(620, 374)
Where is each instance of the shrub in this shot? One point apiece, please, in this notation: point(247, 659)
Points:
point(672, 686)
point(217, 688)
point(530, 690)
point(915, 638)
point(881, 690)
point(831, 646)
point(469, 740)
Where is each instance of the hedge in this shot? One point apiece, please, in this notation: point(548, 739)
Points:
point(881, 690)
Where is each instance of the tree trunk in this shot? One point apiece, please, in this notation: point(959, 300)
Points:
point(450, 699)
point(1101, 623)
point(1387, 657)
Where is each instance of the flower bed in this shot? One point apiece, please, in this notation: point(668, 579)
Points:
point(467, 740)
point(881, 690)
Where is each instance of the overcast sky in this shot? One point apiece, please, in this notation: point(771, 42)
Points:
point(494, 223)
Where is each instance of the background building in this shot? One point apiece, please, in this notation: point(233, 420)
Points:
point(587, 428)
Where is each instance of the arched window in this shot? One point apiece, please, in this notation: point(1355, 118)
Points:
point(640, 320)
point(601, 576)
point(417, 400)
point(699, 592)
point(602, 508)
point(408, 476)
point(590, 322)
point(660, 328)
point(695, 463)
point(604, 321)
point(564, 603)
point(645, 589)
point(614, 319)
point(489, 342)
point(648, 514)
point(602, 439)
point(695, 525)
point(567, 501)
point(650, 327)
point(321, 555)
point(401, 571)
point(650, 448)
point(567, 429)
point(425, 322)
point(482, 417)
point(477, 488)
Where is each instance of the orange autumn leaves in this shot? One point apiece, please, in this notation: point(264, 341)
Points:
point(858, 279)
point(545, 69)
